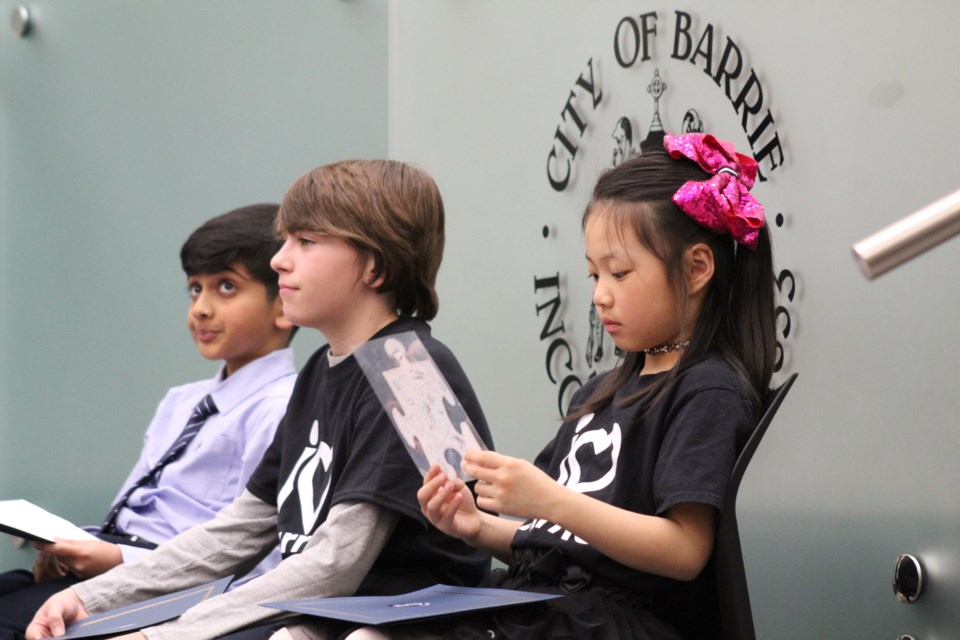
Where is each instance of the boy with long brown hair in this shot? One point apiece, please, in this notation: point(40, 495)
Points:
point(363, 243)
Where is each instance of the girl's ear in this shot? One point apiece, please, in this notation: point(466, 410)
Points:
point(698, 260)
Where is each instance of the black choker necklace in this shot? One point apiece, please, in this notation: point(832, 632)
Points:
point(667, 347)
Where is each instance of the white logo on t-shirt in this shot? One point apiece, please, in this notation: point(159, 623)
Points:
point(602, 463)
point(601, 441)
point(301, 481)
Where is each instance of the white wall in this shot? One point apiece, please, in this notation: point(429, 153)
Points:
point(859, 465)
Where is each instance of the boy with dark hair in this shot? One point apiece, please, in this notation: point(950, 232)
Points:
point(194, 462)
point(363, 245)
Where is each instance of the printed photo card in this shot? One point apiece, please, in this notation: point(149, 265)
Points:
point(429, 418)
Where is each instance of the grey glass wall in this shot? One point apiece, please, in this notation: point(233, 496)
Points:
point(124, 126)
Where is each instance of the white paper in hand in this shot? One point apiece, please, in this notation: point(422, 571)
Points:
point(26, 520)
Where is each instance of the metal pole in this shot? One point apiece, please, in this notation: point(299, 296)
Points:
point(922, 230)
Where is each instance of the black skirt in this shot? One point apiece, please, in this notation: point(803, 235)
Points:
point(589, 609)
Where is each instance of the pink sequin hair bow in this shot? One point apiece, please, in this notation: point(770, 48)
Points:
point(723, 203)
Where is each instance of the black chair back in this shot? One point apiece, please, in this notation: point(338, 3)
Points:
point(736, 617)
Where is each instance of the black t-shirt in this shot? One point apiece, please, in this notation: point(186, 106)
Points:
point(682, 450)
point(337, 444)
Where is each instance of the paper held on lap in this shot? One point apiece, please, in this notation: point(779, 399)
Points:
point(428, 416)
point(432, 602)
point(26, 520)
point(147, 613)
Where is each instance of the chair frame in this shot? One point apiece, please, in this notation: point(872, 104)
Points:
point(736, 615)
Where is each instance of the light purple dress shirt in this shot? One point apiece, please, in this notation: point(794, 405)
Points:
point(215, 467)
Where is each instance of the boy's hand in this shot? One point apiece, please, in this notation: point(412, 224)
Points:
point(83, 558)
point(448, 505)
point(48, 567)
point(57, 612)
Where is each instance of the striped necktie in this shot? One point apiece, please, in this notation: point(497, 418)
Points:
point(204, 409)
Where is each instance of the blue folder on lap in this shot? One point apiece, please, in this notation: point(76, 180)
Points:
point(147, 613)
point(432, 602)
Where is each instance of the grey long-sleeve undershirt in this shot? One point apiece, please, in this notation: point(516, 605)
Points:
point(333, 563)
